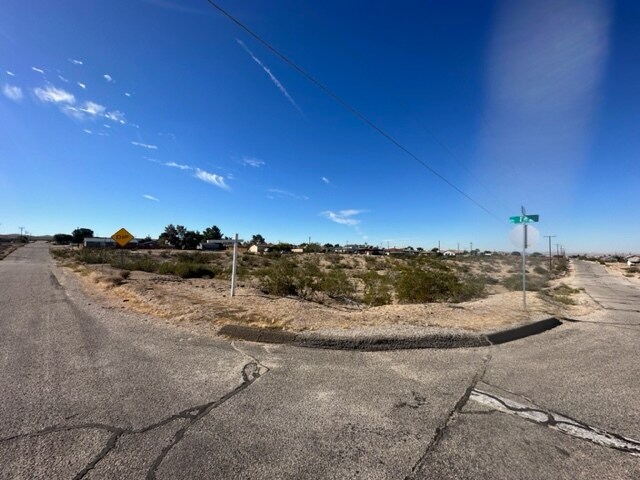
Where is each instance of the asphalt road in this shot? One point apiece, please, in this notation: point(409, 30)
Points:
point(94, 392)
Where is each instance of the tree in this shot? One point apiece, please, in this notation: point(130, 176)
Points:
point(62, 238)
point(79, 234)
point(258, 239)
point(212, 233)
point(191, 239)
point(170, 236)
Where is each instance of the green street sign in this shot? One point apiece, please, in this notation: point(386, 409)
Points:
point(524, 219)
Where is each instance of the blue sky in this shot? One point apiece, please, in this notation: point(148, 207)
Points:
point(141, 113)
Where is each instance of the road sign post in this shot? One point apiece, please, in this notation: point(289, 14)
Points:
point(122, 237)
point(525, 219)
point(233, 268)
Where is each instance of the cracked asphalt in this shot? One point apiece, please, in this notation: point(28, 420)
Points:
point(89, 392)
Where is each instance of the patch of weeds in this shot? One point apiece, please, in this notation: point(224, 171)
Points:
point(540, 270)
point(187, 270)
point(514, 283)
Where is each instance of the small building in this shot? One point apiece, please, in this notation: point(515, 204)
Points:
point(263, 248)
point(449, 253)
point(297, 250)
point(213, 245)
point(98, 242)
point(633, 261)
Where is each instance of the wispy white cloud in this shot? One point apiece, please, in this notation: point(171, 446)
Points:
point(54, 95)
point(11, 74)
point(36, 69)
point(273, 78)
point(65, 80)
point(145, 145)
point(325, 180)
point(81, 85)
point(252, 162)
point(93, 109)
point(12, 92)
point(75, 62)
point(343, 217)
point(86, 130)
point(284, 193)
point(116, 116)
point(127, 94)
point(177, 165)
point(212, 178)
point(107, 77)
point(151, 197)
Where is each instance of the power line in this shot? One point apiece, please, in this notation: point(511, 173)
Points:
point(349, 108)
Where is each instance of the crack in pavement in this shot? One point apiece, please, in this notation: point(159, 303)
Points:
point(440, 430)
point(250, 373)
point(556, 421)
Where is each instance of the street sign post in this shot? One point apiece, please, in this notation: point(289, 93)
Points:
point(233, 241)
point(122, 237)
point(525, 220)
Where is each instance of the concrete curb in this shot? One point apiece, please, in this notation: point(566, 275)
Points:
point(372, 343)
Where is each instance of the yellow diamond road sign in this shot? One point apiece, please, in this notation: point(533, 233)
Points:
point(122, 237)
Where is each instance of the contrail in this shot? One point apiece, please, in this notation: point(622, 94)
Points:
point(271, 75)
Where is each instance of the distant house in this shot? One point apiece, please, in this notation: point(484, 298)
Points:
point(399, 252)
point(98, 243)
point(369, 251)
point(449, 253)
point(263, 248)
point(297, 250)
point(213, 245)
point(633, 261)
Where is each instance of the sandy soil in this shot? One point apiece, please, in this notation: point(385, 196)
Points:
point(208, 302)
point(622, 270)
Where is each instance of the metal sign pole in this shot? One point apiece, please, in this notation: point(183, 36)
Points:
point(524, 267)
point(233, 267)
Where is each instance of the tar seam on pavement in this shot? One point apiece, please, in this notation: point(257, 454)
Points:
point(556, 421)
point(421, 463)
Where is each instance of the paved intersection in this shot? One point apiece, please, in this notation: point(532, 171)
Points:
point(90, 392)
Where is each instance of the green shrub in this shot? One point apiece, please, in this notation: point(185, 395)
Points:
point(141, 264)
point(415, 285)
point(514, 283)
point(187, 270)
point(279, 278)
point(335, 283)
point(540, 270)
point(377, 289)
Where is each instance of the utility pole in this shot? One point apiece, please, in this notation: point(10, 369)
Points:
point(550, 256)
point(21, 229)
point(557, 249)
point(470, 248)
point(458, 251)
point(438, 246)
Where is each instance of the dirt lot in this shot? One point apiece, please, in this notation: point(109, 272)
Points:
point(207, 302)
